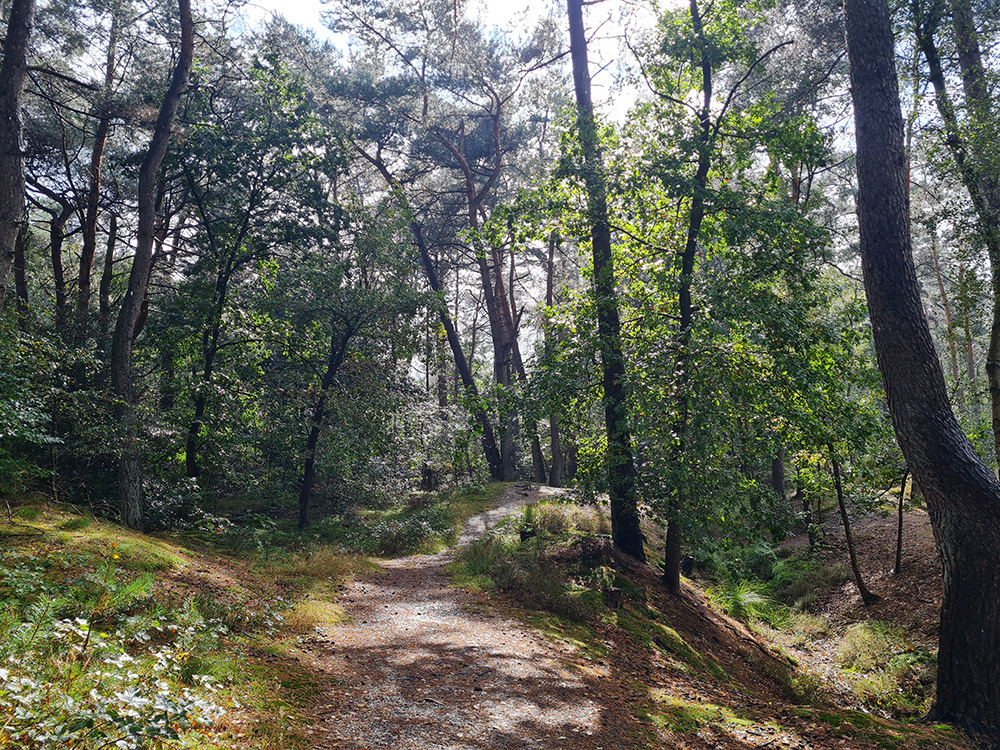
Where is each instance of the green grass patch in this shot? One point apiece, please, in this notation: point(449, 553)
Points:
point(576, 634)
point(682, 716)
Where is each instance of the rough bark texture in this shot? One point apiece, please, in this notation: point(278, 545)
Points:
point(131, 494)
point(962, 494)
point(13, 72)
point(621, 467)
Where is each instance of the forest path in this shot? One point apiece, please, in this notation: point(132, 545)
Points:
point(422, 665)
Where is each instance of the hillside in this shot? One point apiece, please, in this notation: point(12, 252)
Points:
point(553, 640)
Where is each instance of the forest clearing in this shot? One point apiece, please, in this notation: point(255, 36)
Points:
point(294, 319)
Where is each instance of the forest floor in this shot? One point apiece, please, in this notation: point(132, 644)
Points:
point(419, 664)
point(393, 654)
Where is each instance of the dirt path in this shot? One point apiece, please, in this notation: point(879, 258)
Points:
point(422, 665)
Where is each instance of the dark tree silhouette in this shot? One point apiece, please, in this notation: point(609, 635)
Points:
point(962, 494)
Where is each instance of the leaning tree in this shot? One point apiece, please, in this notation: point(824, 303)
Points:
point(962, 494)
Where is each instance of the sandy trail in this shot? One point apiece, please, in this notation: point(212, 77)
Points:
point(422, 665)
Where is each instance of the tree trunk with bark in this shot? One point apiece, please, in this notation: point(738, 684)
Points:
point(898, 567)
point(131, 493)
point(625, 531)
point(21, 277)
point(13, 72)
point(962, 494)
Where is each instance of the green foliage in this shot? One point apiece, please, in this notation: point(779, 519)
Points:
point(885, 673)
point(85, 661)
point(745, 601)
point(517, 558)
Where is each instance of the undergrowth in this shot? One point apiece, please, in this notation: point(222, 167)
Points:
point(95, 652)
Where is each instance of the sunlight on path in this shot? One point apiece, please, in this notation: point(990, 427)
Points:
point(420, 667)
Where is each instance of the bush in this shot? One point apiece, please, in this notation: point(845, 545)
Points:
point(522, 569)
point(888, 676)
point(65, 683)
point(867, 645)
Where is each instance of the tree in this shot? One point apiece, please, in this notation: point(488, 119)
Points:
point(962, 494)
point(625, 530)
point(973, 148)
point(13, 71)
point(130, 470)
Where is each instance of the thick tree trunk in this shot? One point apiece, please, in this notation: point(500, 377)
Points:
point(866, 596)
point(132, 498)
point(625, 531)
point(13, 72)
point(962, 494)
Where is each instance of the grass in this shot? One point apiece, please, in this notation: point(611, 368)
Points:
point(517, 558)
point(77, 591)
point(679, 715)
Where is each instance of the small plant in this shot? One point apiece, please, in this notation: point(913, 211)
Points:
point(868, 645)
point(885, 674)
point(744, 601)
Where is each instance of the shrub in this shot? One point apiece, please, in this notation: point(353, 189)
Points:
point(522, 570)
point(868, 645)
point(63, 683)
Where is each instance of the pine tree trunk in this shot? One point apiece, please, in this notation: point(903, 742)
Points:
point(962, 494)
point(20, 276)
point(625, 531)
point(131, 494)
point(13, 72)
point(104, 290)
